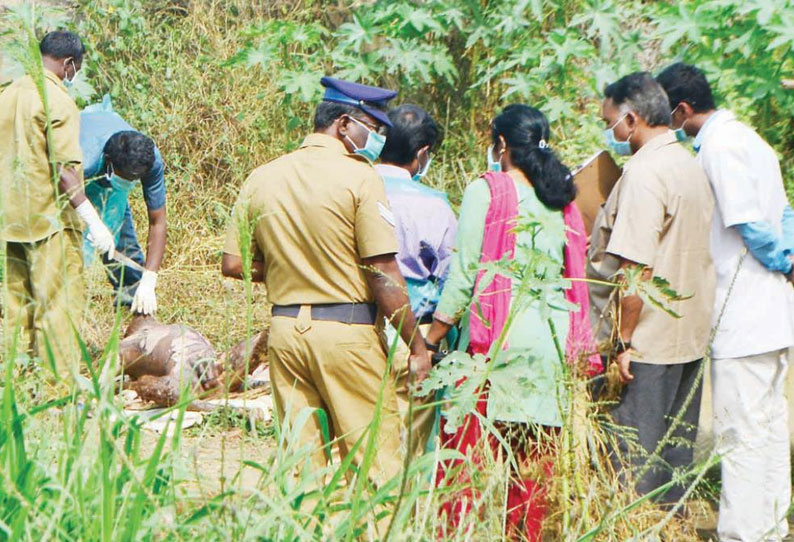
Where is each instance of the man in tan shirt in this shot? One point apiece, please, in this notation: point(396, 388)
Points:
point(656, 218)
point(323, 243)
point(42, 201)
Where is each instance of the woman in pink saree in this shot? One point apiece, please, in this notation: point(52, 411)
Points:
point(525, 183)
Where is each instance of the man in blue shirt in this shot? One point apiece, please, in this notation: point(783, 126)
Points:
point(424, 221)
point(425, 226)
point(116, 159)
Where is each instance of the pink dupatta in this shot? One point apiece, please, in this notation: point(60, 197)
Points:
point(580, 333)
point(491, 307)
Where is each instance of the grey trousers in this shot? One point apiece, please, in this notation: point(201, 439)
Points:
point(648, 405)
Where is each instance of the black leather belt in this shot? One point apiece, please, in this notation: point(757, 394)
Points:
point(346, 313)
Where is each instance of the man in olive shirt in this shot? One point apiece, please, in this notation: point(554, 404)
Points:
point(657, 218)
point(324, 245)
point(41, 186)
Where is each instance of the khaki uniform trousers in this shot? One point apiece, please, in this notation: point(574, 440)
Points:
point(338, 368)
point(418, 413)
point(45, 298)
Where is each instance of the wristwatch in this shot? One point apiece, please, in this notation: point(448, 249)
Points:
point(430, 346)
point(621, 346)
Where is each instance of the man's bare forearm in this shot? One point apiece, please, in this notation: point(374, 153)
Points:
point(232, 267)
point(70, 183)
point(631, 306)
point(155, 243)
point(389, 289)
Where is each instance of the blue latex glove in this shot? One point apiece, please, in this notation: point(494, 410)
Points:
point(788, 228)
point(767, 247)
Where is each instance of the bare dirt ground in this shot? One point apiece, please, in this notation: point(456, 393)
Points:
point(213, 459)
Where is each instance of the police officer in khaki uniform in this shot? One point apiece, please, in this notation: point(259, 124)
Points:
point(41, 191)
point(323, 243)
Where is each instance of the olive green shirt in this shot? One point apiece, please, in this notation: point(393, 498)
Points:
point(32, 208)
point(316, 213)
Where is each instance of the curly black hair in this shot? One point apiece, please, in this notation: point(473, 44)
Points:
point(131, 152)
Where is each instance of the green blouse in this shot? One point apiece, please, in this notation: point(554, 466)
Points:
point(525, 383)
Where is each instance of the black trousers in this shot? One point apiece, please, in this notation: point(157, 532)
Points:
point(648, 405)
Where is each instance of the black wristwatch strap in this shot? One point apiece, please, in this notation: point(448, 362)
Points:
point(430, 346)
point(622, 346)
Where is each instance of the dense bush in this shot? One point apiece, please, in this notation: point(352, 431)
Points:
point(226, 85)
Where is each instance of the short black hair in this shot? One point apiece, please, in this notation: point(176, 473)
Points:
point(412, 128)
point(62, 44)
point(686, 83)
point(643, 95)
point(131, 152)
point(327, 112)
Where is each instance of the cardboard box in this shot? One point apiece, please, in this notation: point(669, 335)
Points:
point(594, 180)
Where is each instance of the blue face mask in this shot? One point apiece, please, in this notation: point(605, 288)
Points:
point(69, 82)
point(493, 165)
point(680, 134)
point(122, 185)
point(374, 145)
point(423, 171)
point(622, 148)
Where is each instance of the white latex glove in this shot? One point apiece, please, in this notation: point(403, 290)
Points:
point(145, 301)
point(98, 234)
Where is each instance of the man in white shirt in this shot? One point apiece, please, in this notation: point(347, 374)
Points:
point(754, 308)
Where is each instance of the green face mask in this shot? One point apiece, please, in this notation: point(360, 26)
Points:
point(122, 185)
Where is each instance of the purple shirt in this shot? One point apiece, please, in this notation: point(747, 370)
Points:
point(425, 226)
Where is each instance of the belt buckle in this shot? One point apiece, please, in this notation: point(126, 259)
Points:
point(303, 320)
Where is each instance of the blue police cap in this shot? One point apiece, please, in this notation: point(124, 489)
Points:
point(346, 92)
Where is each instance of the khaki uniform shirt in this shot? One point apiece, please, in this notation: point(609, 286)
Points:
point(31, 207)
point(659, 215)
point(316, 213)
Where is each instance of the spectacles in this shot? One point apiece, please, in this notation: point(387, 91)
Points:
point(380, 129)
point(618, 121)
